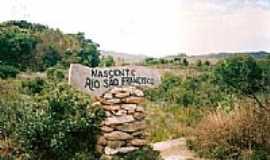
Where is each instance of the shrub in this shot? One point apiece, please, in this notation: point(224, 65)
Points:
point(228, 136)
point(62, 125)
point(146, 153)
point(8, 71)
point(55, 74)
point(243, 75)
point(35, 86)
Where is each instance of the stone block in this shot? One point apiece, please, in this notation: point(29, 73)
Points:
point(119, 120)
point(117, 135)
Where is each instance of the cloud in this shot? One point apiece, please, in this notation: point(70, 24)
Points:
point(154, 27)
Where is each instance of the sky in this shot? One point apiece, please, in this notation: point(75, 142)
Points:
point(154, 27)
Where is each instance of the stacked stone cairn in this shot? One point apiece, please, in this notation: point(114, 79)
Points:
point(122, 131)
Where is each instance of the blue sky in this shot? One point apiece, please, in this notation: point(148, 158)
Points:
point(154, 27)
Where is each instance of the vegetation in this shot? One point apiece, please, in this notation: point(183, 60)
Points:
point(35, 47)
point(107, 61)
point(222, 108)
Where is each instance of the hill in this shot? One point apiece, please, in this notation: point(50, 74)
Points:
point(36, 47)
point(124, 58)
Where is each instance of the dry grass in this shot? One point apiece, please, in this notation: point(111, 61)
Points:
point(232, 135)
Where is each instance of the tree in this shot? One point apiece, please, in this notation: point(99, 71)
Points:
point(89, 56)
point(185, 62)
point(16, 47)
point(207, 63)
point(107, 61)
point(199, 63)
point(242, 74)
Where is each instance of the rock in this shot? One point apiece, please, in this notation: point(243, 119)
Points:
point(129, 107)
point(108, 113)
point(126, 149)
point(121, 150)
point(131, 127)
point(139, 116)
point(115, 144)
point(138, 142)
point(120, 113)
point(139, 134)
point(117, 135)
point(101, 141)
point(122, 94)
point(108, 96)
point(110, 151)
point(138, 93)
point(111, 107)
point(119, 120)
point(120, 90)
point(134, 100)
point(106, 129)
point(111, 101)
point(139, 109)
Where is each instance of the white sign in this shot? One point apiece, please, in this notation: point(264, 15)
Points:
point(95, 81)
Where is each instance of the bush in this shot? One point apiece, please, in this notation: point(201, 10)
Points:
point(55, 74)
point(8, 71)
point(35, 86)
point(146, 153)
point(228, 136)
point(62, 125)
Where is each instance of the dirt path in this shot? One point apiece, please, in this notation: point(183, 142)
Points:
point(175, 150)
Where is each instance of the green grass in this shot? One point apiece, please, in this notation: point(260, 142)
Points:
point(168, 121)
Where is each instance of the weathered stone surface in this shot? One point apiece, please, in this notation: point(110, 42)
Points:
point(119, 120)
point(131, 127)
point(106, 129)
point(108, 96)
point(122, 94)
point(108, 113)
point(126, 149)
point(92, 80)
point(111, 107)
point(139, 116)
point(120, 113)
point(121, 150)
point(116, 90)
point(139, 134)
point(138, 142)
point(129, 107)
point(117, 135)
point(115, 144)
point(101, 141)
point(111, 101)
point(139, 109)
point(134, 100)
point(110, 151)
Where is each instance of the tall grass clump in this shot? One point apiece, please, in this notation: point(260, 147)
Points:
point(244, 133)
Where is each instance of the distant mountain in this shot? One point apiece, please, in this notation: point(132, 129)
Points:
point(124, 58)
point(222, 55)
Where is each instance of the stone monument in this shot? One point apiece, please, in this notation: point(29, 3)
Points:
point(118, 91)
